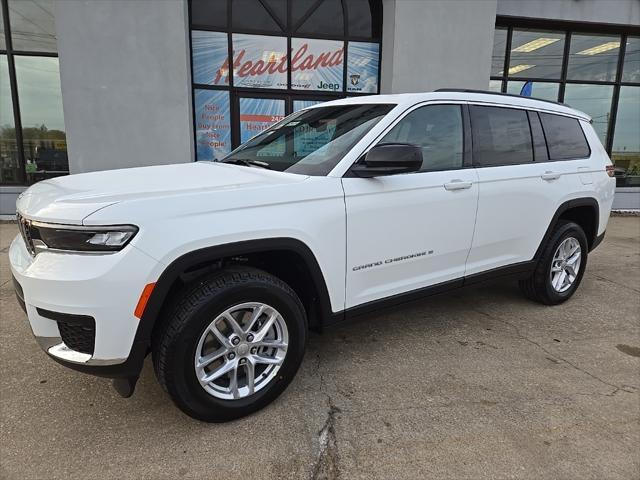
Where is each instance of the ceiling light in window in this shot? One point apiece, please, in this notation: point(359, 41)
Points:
point(535, 44)
point(519, 68)
point(605, 47)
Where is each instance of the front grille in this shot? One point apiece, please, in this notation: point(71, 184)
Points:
point(78, 337)
point(25, 230)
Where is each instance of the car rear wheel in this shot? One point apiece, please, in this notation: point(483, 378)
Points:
point(231, 344)
point(561, 266)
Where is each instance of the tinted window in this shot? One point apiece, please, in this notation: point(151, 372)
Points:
point(565, 138)
point(438, 130)
point(501, 136)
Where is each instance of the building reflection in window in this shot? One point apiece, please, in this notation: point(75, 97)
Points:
point(626, 139)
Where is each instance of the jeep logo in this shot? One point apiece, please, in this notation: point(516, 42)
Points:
point(327, 86)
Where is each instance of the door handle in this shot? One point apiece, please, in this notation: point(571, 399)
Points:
point(457, 185)
point(548, 175)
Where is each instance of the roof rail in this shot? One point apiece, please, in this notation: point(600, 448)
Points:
point(487, 92)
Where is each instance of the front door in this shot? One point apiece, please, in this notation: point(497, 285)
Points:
point(410, 231)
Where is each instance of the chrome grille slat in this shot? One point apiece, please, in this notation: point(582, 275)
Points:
point(24, 225)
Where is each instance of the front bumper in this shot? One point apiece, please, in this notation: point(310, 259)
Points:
point(56, 290)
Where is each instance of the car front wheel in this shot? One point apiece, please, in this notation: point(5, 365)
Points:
point(231, 344)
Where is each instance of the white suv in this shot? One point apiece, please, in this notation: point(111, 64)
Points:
point(219, 269)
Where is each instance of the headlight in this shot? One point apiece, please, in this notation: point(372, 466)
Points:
point(80, 239)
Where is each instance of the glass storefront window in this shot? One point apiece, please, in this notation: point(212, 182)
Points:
point(499, 48)
point(43, 132)
point(631, 68)
point(2, 40)
point(542, 90)
point(317, 64)
point(593, 57)
point(10, 171)
point(536, 54)
point(32, 25)
point(626, 139)
point(495, 85)
point(362, 67)
point(210, 54)
point(213, 124)
point(594, 100)
point(259, 61)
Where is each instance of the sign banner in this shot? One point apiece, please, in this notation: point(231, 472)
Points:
point(317, 64)
point(362, 67)
point(210, 52)
point(213, 130)
point(300, 104)
point(259, 61)
point(258, 114)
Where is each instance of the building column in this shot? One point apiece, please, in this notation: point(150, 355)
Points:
point(125, 79)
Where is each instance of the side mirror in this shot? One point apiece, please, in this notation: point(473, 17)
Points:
point(388, 159)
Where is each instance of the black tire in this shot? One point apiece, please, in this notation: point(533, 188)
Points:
point(538, 287)
point(175, 343)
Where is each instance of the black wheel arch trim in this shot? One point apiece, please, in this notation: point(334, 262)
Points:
point(568, 205)
point(217, 252)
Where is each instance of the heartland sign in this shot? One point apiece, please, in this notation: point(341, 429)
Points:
point(301, 61)
point(260, 61)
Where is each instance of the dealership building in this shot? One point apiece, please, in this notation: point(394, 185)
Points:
point(90, 85)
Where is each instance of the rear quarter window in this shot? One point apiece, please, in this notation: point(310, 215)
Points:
point(565, 138)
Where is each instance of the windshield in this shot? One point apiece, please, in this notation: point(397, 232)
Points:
point(310, 142)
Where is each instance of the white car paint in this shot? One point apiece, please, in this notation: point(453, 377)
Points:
point(346, 223)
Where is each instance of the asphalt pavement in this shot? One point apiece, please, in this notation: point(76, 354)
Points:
point(477, 384)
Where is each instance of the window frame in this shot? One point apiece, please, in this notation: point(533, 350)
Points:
point(569, 28)
point(11, 53)
point(288, 33)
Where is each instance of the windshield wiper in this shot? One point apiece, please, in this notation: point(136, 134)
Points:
point(248, 163)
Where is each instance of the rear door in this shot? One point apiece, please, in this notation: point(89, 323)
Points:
point(519, 187)
point(410, 231)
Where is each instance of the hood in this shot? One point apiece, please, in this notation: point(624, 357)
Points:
point(72, 198)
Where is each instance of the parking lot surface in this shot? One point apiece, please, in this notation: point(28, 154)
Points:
point(476, 384)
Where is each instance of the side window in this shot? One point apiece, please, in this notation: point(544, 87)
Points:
point(501, 136)
point(565, 138)
point(437, 129)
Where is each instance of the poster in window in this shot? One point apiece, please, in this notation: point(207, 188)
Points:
point(210, 51)
point(300, 104)
point(258, 114)
point(362, 67)
point(317, 64)
point(259, 61)
point(213, 129)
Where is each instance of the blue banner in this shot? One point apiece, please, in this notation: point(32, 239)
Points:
point(362, 67)
point(317, 64)
point(210, 53)
point(258, 114)
point(259, 61)
point(213, 129)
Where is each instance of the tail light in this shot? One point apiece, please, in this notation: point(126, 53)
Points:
point(610, 170)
